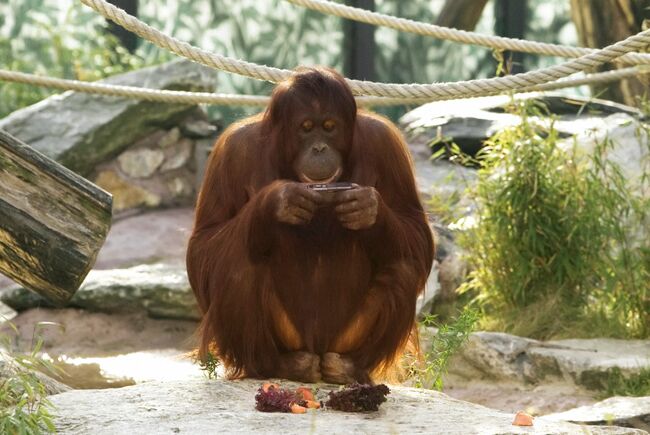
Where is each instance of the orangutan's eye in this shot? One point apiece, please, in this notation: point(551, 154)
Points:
point(329, 125)
point(307, 125)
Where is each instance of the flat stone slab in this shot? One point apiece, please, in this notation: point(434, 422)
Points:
point(217, 406)
point(620, 411)
point(583, 362)
point(587, 361)
point(160, 290)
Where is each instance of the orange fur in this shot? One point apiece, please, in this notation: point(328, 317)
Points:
point(267, 288)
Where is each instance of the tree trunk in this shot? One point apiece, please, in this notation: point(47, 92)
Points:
point(510, 21)
point(359, 45)
point(128, 39)
point(461, 14)
point(52, 221)
point(604, 22)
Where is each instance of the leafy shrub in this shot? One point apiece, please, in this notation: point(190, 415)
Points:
point(24, 407)
point(561, 243)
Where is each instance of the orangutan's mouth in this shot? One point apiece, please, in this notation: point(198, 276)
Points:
point(305, 179)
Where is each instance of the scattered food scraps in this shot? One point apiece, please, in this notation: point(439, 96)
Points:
point(306, 393)
point(268, 385)
point(297, 409)
point(358, 398)
point(523, 419)
point(353, 398)
point(313, 404)
point(272, 398)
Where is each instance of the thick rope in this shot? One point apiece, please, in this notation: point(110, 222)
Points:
point(165, 96)
point(418, 91)
point(439, 32)
point(182, 97)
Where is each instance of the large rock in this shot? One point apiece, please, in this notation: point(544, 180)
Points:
point(81, 130)
point(619, 411)
point(202, 406)
point(588, 362)
point(125, 196)
point(469, 121)
point(584, 362)
point(160, 290)
point(141, 163)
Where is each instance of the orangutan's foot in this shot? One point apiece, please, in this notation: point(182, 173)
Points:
point(340, 369)
point(300, 366)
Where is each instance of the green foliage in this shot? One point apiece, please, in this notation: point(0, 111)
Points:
point(447, 340)
point(24, 407)
point(618, 384)
point(562, 239)
point(444, 206)
point(45, 38)
point(210, 365)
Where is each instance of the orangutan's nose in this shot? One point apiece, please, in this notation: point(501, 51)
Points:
point(319, 147)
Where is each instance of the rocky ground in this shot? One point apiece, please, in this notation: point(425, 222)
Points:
point(202, 406)
point(119, 344)
point(99, 350)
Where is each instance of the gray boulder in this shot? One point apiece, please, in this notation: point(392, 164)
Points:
point(203, 406)
point(584, 362)
point(618, 411)
point(160, 290)
point(588, 362)
point(469, 121)
point(81, 130)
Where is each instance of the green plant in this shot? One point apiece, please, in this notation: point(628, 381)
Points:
point(446, 341)
point(210, 364)
point(24, 407)
point(618, 384)
point(561, 242)
point(53, 40)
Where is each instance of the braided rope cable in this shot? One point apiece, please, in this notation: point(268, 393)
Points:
point(165, 96)
point(439, 32)
point(183, 97)
point(589, 79)
point(439, 91)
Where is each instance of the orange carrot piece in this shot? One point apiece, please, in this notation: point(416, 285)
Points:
point(305, 392)
point(297, 409)
point(523, 419)
point(312, 404)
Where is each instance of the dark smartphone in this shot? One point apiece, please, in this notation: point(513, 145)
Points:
point(332, 187)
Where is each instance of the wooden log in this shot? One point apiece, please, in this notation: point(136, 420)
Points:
point(52, 221)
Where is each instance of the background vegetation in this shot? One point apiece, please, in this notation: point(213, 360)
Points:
point(562, 241)
point(63, 38)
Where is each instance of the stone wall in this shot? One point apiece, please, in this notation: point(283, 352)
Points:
point(163, 169)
